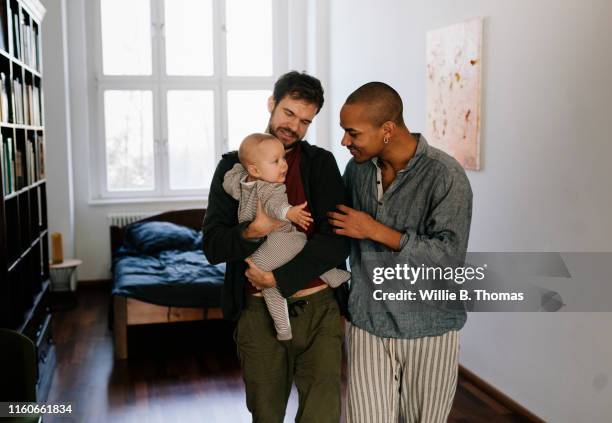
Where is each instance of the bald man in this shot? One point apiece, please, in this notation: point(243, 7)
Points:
point(410, 204)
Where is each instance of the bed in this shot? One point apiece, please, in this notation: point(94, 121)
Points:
point(160, 274)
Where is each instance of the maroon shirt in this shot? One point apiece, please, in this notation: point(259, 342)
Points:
point(296, 196)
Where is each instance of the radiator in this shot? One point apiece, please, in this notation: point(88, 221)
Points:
point(125, 218)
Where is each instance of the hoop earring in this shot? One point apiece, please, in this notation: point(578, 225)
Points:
point(386, 140)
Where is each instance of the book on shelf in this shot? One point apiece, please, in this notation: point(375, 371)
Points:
point(16, 38)
point(11, 162)
point(6, 172)
point(19, 176)
point(40, 215)
point(41, 156)
point(27, 177)
point(13, 99)
point(20, 95)
point(24, 40)
point(23, 99)
point(28, 104)
point(32, 163)
point(17, 102)
point(36, 49)
point(4, 115)
point(28, 165)
point(32, 105)
point(35, 161)
point(3, 27)
point(37, 112)
point(3, 169)
point(8, 166)
point(14, 116)
point(36, 158)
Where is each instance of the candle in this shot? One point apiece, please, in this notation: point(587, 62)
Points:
point(56, 246)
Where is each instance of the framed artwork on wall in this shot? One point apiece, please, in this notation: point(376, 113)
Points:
point(454, 78)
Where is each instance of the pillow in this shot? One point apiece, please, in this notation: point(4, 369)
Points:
point(153, 237)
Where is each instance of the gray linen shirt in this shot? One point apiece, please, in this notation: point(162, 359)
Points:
point(430, 202)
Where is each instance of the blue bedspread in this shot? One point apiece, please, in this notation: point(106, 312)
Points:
point(169, 277)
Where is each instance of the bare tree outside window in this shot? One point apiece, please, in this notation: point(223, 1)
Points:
point(181, 82)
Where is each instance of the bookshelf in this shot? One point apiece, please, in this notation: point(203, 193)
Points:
point(24, 250)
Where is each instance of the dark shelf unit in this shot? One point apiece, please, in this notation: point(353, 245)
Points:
point(24, 246)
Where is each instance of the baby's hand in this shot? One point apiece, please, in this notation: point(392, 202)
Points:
point(299, 216)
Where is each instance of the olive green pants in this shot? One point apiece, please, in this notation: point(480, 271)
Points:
point(312, 359)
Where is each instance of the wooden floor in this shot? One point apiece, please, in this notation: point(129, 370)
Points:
point(184, 372)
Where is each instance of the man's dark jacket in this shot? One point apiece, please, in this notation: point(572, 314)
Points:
point(223, 241)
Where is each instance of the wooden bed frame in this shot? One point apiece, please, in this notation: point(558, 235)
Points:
point(129, 311)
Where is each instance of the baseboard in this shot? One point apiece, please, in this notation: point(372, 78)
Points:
point(94, 284)
point(498, 396)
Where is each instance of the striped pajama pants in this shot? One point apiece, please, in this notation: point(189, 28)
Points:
point(278, 249)
point(401, 380)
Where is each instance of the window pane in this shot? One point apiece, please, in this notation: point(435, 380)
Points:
point(191, 139)
point(189, 37)
point(126, 37)
point(249, 37)
point(128, 119)
point(247, 112)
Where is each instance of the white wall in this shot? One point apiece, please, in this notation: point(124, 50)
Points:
point(60, 202)
point(545, 182)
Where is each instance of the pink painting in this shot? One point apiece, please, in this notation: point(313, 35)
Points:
point(454, 65)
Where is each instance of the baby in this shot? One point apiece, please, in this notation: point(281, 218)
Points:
point(260, 177)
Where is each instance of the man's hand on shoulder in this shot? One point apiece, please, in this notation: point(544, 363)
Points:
point(360, 225)
point(352, 223)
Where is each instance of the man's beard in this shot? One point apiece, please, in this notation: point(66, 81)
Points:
point(287, 146)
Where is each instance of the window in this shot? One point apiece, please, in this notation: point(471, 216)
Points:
point(178, 83)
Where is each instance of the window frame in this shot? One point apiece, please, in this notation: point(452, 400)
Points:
point(160, 83)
